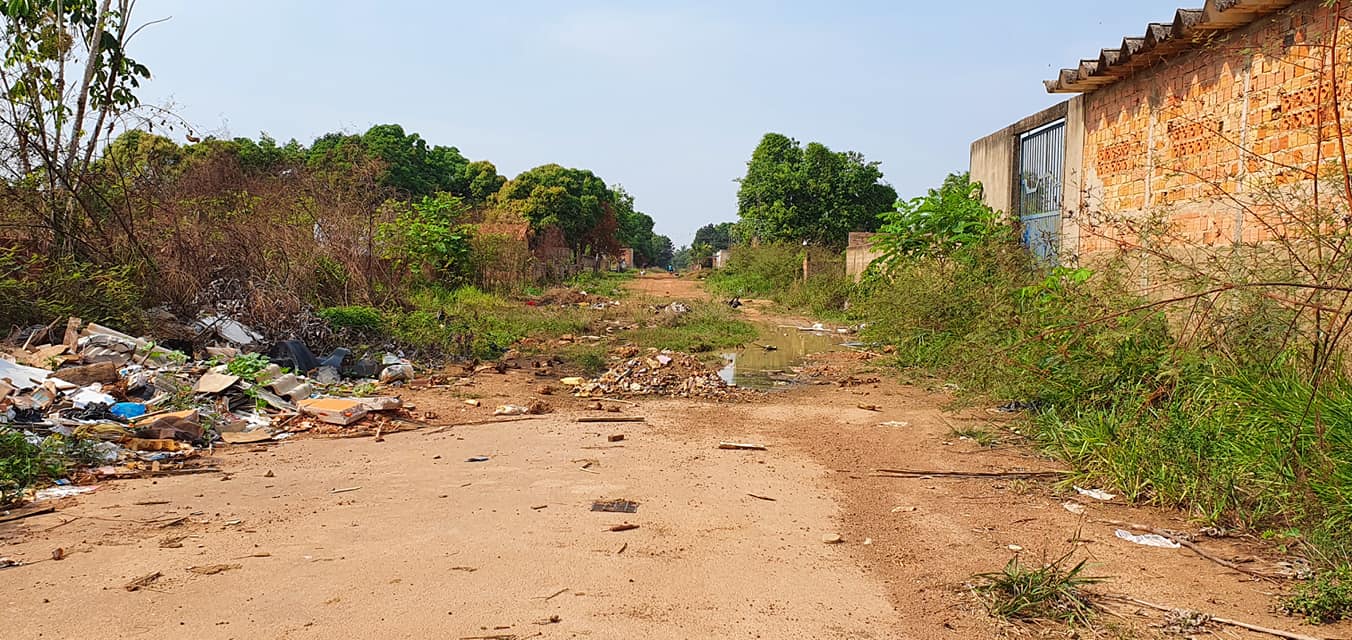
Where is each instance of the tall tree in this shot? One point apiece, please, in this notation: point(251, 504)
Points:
point(792, 193)
point(67, 79)
point(574, 200)
point(718, 236)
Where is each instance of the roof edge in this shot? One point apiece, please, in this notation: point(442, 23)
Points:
point(1188, 29)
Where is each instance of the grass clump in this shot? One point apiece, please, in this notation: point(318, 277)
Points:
point(980, 435)
point(1051, 592)
point(1327, 598)
point(358, 318)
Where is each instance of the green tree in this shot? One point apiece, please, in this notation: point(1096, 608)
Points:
point(718, 236)
point(574, 200)
point(938, 222)
point(66, 78)
point(429, 236)
point(792, 193)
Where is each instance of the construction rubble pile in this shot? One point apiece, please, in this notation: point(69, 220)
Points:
point(136, 406)
point(655, 372)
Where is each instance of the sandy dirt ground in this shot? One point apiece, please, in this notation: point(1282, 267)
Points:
point(418, 542)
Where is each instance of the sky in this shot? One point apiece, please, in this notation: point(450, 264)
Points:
point(667, 99)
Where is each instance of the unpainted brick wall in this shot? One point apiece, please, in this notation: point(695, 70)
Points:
point(1214, 138)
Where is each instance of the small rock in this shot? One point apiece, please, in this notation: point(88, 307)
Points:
point(269, 474)
point(832, 538)
point(901, 509)
point(1015, 548)
point(868, 541)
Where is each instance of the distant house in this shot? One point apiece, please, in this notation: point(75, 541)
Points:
point(721, 258)
point(1189, 121)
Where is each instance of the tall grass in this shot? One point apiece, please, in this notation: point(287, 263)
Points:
point(1218, 421)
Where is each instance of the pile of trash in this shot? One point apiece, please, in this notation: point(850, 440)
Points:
point(665, 372)
point(140, 403)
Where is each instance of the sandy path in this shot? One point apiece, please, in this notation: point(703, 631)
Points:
point(434, 546)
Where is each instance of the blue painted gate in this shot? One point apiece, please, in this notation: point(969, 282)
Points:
point(1042, 155)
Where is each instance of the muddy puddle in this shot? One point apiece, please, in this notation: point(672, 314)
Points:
point(756, 367)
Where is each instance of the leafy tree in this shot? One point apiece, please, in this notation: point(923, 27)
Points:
point(792, 193)
point(938, 222)
point(574, 200)
point(429, 236)
point(66, 79)
point(718, 236)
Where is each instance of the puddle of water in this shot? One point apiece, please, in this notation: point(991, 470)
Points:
point(755, 367)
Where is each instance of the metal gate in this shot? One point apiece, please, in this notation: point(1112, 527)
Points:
point(1042, 154)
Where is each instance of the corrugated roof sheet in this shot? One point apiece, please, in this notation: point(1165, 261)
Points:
point(1189, 29)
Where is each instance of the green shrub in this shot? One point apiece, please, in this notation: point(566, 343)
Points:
point(365, 320)
point(1326, 598)
point(41, 290)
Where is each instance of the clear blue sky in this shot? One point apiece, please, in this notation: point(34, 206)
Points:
point(667, 99)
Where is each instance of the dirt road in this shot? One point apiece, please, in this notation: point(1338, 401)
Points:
point(420, 542)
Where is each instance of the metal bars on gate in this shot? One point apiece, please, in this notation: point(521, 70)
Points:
point(1042, 154)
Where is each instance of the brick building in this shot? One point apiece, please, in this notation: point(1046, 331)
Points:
point(1199, 122)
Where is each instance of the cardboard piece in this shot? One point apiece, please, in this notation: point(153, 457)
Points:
point(339, 411)
point(213, 383)
point(246, 437)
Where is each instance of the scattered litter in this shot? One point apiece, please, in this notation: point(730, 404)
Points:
point(511, 410)
point(870, 407)
point(623, 527)
point(658, 373)
point(1148, 539)
point(59, 554)
point(1014, 547)
point(758, 497)
point(615, 506)
point(345, 489)
point(1073, 507)
point(58, 492)
point(868, 541)
point(6, 563)
point(472, 402)
point(477, 459)
point(895, 423)
point(742, 446)
point(1097, 494)
point(832, 538)
point(611, 419)
point(617, 437)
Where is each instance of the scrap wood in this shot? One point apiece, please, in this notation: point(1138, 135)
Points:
point(611, 419)
point(1192, 546)
point(1219, 620)
point(480, 422)
point(916, 473)
point(741, 446)
point(555, 594)
point(142, 582)
point(765, 498)
point(623, 527)
point(20, 514)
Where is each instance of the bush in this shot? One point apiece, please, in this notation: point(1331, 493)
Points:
point(37, 291)
point(364, 320)
point(1327, 598)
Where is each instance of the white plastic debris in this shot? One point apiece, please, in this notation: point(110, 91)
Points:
point(92, 394)
point(1097, 494)
point(230, 330)
point(894, 423)
point(511, 410)
point(1149, 539)
point(1073, 507)
point(55, 493)
point(22, 377)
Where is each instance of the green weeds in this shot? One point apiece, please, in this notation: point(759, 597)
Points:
point(1051, 592)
